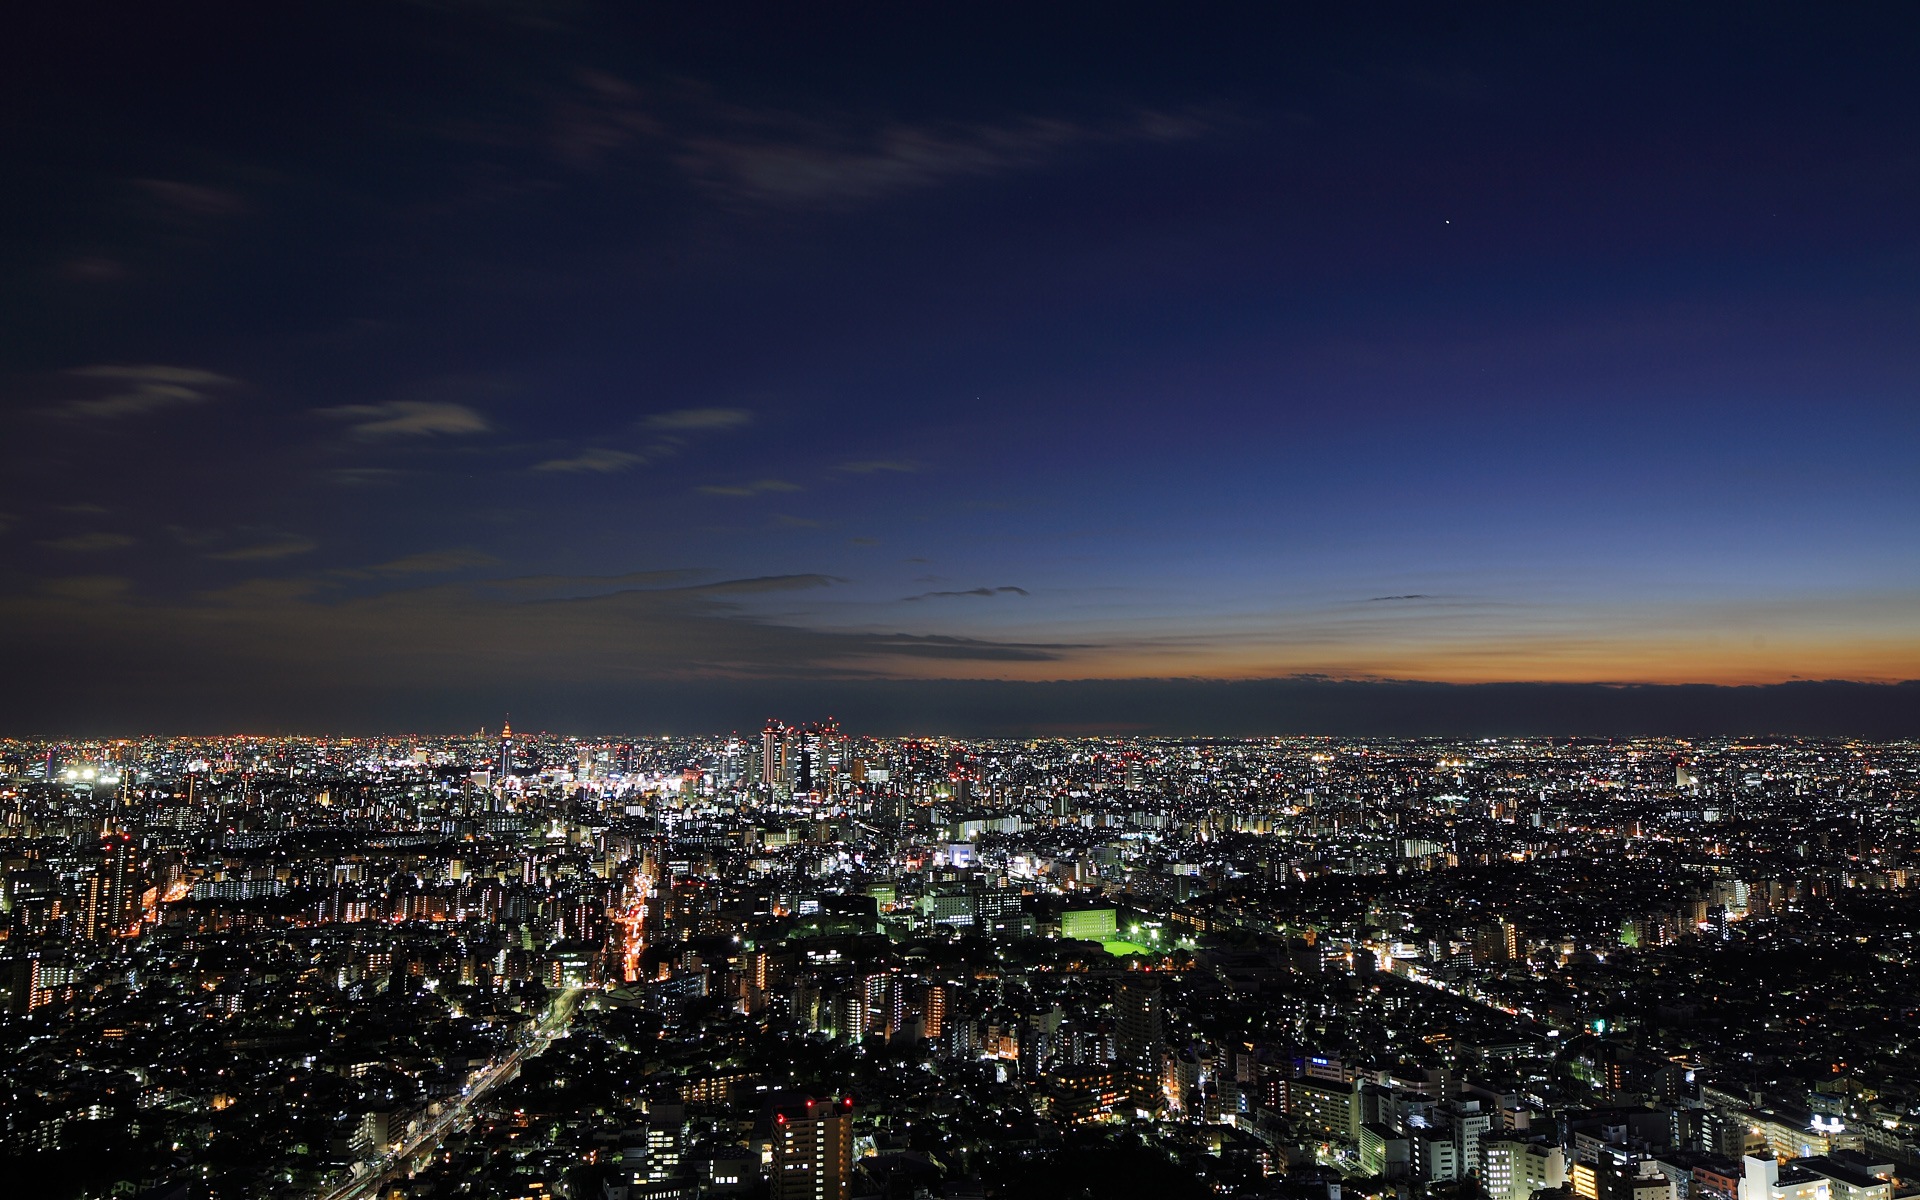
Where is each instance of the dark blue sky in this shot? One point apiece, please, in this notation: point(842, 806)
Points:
point(484, 355)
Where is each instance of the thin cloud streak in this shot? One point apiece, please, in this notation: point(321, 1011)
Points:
point(979, 591)
point(433, 562)
point(593, 462)
point(464, 635)
point(410, 419)
point(142, 389)
point(267, 551)
point(672, 432)
point(191, 199)
point(757, 488)
point(698, 420)
point(770, 158)
point(777, 161)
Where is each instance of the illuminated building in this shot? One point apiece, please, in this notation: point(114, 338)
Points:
point(849, 1015)
point(1140, 1036)
point(1511, 1169)
point(1764, 1179)
point(1090, 924)
point(813, 1150)
point(1384, 1153)
point(773, 756)
point(112, 892)
point(1084, 1093)
point(1323, 1106)
point(802, 759)
point(1847, 1182)
point(936, 1011)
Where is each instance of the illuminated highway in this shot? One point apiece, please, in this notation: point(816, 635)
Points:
point(430, 1135)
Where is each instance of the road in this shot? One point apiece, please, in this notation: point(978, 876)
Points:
point(460, 1112)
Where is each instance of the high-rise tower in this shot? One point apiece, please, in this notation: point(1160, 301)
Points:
point(1140, 1036)
point(112, 893)
point(813, 1150)
point(773, 755)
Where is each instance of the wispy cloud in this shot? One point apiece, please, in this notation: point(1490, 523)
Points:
point(823, 168)
point(362, 476)
point(426, 562)
point(671, 432)
point(90, 543)
point(410, 418)
point(134, 390)
point(460, 635)
point(604, 114)
point(773, 157)
point(697, 420)
point(191, 199)
point(756, 488)
point(877, 466)
point(286, 547)
point(1408, 596)
point(765, 583)
point(974, 649)
point(979, 591)
point(431, 562)
point(596, 462)
point(557, 586)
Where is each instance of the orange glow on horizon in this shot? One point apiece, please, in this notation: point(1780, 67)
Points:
point(1571, 661)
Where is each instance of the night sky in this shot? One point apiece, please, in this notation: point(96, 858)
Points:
point(647, 367)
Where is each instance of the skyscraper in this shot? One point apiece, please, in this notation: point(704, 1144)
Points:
point(813, 1150)
point(1141, 1011)
point(112, 892)
point(773, 755)
point(936, 1011)
point(821, 751)
point(1140, 1036)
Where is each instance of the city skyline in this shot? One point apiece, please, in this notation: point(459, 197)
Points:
point(1004, 370)
point(809, 963)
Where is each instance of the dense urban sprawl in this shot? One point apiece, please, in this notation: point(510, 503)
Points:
point(813, 966)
